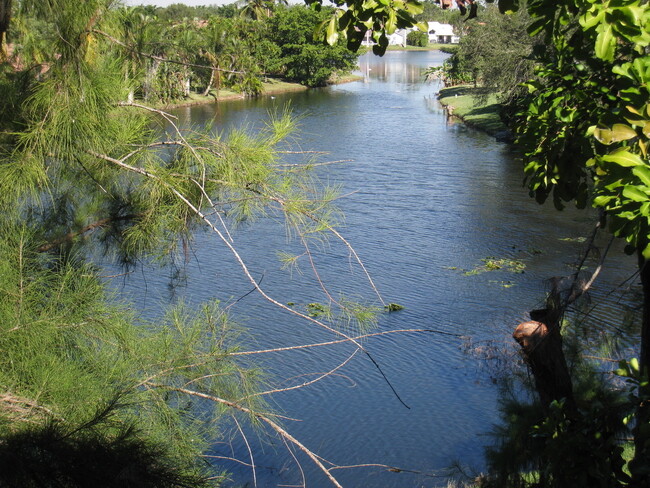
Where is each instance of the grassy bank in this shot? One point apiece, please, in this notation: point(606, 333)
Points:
point(461, 102)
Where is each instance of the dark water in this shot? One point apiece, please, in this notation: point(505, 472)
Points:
point(426, 198)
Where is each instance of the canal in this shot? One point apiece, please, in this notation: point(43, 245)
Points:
point(426, 201)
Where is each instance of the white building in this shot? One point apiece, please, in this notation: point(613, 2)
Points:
point(438, 34)
point(442, 33)
point(398, 38)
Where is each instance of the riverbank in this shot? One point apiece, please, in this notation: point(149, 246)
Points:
point(270, 87)
point(462, 102)
point(445, 48)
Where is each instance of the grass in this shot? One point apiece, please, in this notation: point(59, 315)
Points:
point(462, 102)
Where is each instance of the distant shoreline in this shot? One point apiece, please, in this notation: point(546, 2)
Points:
point(273, 87)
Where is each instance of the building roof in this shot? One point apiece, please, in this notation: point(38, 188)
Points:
point(441, 29)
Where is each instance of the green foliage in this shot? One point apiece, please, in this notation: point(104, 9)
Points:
point(584, 447)
point(60, 456)
point(351, 19)
point(592, 100)
point(85, 169)
point(304, 59)
point(494, 54)
point(393, 307)
point(453, 72)
point(78, 372)
point(496, 264)
point(417, 38)
point(585, 133)
point(582, 450)
point(433, 12)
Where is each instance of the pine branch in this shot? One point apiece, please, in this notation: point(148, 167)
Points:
point(279, 430)
point(70, 236)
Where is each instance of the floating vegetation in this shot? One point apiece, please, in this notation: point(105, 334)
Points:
point(504, 284)
point(494, 264)
point(573, 239)
point(393, 307)
point(316, 309)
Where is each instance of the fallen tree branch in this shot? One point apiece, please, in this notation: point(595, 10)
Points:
point(279, 430)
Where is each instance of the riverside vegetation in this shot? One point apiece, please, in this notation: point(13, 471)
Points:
point(571, 80)
point(91, 393)
point(89, 389)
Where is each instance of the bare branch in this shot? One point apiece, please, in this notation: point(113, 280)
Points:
point(146, 107)
point(307, 383)
point(212, 456)
point(250, 452)
point(247, 272)
point(339, 341)
point(279, 430)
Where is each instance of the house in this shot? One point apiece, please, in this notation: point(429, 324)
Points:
point(398, 38)
point(438, 34)
point(442, 33)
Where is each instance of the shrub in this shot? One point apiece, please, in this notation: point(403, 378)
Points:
point(417, 38)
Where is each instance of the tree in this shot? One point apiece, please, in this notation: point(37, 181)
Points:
point(497, 52)
point(304, 59)
point(585, 134)
point(83, 165)
point(433, 12)
point(417, 38)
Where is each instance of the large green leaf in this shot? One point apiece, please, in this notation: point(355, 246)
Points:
point(643, 173)
point(605, 43)
point(602, 200)
point(591, 19)
point(623, 157)
point(332, 31)
point(646, 252)
point(634, 193)
point(618, 133)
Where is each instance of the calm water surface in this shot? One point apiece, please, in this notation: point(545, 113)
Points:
point(426, 198)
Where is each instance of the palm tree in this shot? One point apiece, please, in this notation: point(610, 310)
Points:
point(259, 9)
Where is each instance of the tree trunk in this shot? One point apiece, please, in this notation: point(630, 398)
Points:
point(207, 88)
point(5, 19)
point(541, 342)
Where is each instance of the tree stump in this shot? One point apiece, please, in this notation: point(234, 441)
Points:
point(542, 348)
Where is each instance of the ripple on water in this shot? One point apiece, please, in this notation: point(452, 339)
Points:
point(426, 203)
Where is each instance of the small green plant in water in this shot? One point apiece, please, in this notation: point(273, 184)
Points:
point(494, 264)
point(316, 309)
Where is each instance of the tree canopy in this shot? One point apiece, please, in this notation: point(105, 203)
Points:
point(88, 165)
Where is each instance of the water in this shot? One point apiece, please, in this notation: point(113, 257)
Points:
point(426, 199)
